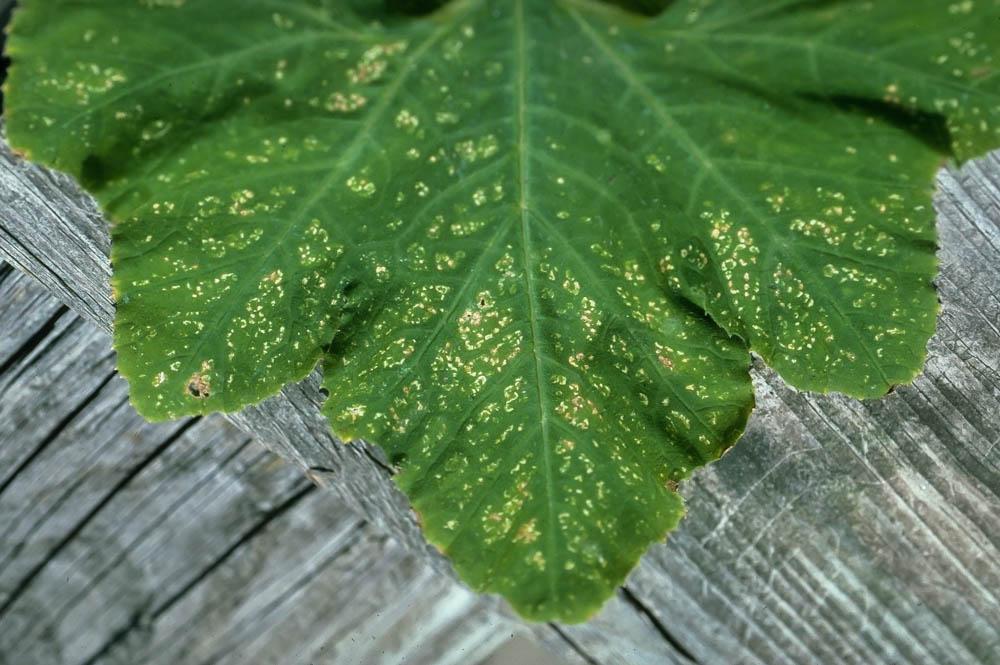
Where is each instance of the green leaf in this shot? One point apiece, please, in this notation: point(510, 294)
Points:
point(532, 241)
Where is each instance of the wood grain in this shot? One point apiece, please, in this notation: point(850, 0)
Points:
point(186, 542)
point(836, 531)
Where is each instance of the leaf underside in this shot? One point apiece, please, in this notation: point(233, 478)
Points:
point(532, 242)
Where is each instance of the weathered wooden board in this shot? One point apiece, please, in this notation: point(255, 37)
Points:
point(836, 531)
point(186, 542)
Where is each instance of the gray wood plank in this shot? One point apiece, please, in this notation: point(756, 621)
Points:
point(338, 589)
point(125, 542)
point(836, 531)
point(27, 314)
point(70, 368)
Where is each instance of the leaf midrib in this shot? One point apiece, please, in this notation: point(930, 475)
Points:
point(523, 175)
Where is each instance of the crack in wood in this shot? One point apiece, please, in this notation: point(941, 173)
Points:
point(26, 581)
point(660, 627)
point(56, 430)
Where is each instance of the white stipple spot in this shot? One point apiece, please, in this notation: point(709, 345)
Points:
point(356, 411)
point(527, 532)
point(361, 186)
point(340, 102)
point(407, 121)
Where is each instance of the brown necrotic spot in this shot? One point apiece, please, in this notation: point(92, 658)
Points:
point(198, 386)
